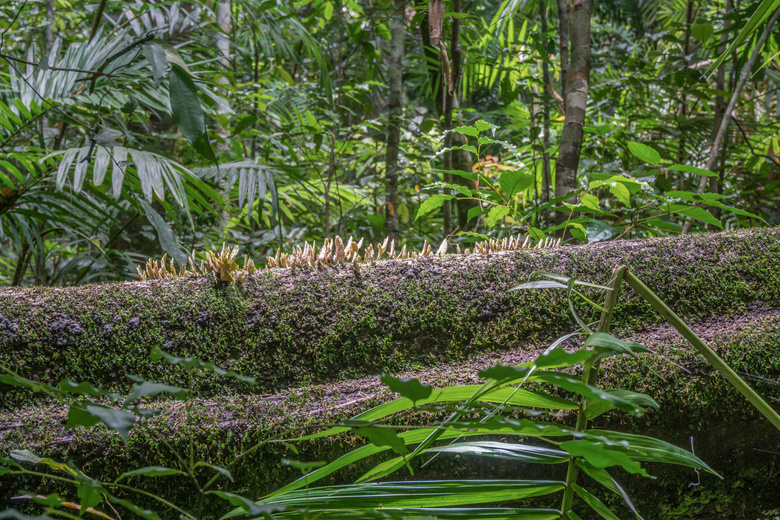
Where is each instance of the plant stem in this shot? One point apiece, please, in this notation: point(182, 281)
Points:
point(714, 360)
point(591, 370)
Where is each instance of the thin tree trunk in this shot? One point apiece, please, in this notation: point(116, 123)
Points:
point(224, 21)
point(545, 123)
point(576, 103)
point(683, 108)
point(395, 104)
point(563, 36)
point(724, 124)
point(49, 26)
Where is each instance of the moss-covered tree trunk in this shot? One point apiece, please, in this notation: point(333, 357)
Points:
point(452, 313)
point(283, 326)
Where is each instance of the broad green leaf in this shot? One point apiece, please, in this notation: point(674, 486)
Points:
point(605, 479)
point(70, 387)
point(568, 382)
point(165, 235)
point(379, 436)
point(431, 203)
point(620, 191)
point(439, 493)
point(90, 494)
point(599, 230)
point(696, 212)
point(594, 503)
point(150, 471)
point(590, 201)
point(558, 357)
point(702, 32)
point(28, 456)
point(498, 426)
point(515, 181)
point(593, 409)
point(495, 214)
point(87, 414)
point(383, 469)
point(608, 343)
point(410, 388)
point(185, 104)
point(304, 466)
point(602, 456)
point(691, 169)
point(13, 379)
point(648, 449)
point(504, 450)
point(484, 125)
point(466, 130)
point(645, 153)
point(245, 123)
point(510, 396)
point(156, 56)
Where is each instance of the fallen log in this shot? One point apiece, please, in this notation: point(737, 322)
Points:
point(286, 326)
point(697, 406)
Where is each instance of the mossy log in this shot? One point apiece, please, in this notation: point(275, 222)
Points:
point(453, 313)
point(285, 326)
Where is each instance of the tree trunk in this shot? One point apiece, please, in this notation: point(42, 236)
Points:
point(575, 105)
point(224, 21)
point(395, 113)
point(563, 41)
point(545, 198)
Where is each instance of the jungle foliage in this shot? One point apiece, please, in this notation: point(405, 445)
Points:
point(133, 129)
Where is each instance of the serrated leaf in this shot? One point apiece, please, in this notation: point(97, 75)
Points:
point(466, 130)
point(495, 214)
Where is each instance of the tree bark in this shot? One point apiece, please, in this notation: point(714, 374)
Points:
point(575, 105)
point(545, 198)
point(563, 41)
point(395, 113)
